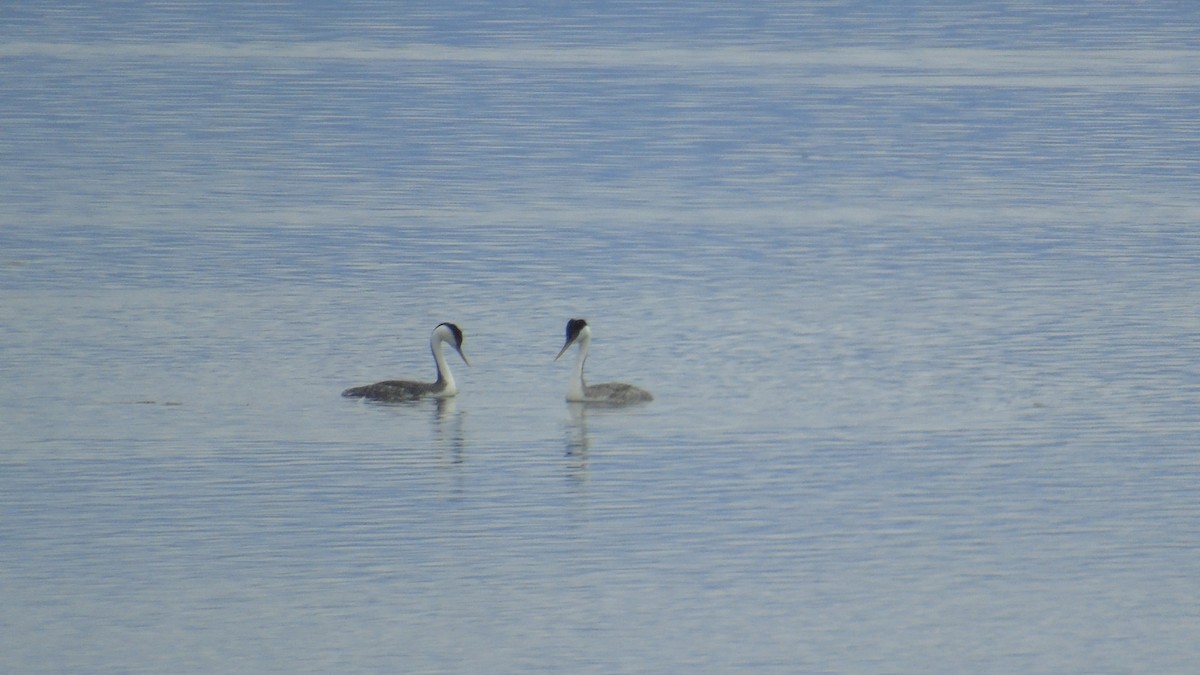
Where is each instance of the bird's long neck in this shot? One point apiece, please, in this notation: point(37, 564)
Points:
point(444, 376)
point(577, 387)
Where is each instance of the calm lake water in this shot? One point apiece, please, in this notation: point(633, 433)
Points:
point(915, 289)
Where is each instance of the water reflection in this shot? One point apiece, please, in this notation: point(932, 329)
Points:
point(578, 442)
point(448, 430)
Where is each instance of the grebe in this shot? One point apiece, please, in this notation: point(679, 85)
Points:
point(405, 390)
point(578, 391)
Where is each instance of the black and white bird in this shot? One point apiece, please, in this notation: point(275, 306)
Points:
point(407, 390)
point(613, 393)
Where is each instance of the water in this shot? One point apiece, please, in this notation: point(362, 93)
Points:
point(914, 289)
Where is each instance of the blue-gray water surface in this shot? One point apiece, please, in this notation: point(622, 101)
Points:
point(915, 288)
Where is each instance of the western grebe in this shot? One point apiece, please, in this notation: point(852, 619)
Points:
point(579, 332)
point(405, 390)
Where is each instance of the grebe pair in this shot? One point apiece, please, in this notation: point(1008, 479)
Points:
point(578, 332)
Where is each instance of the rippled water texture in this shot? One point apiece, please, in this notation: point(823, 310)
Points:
point(914, 289)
